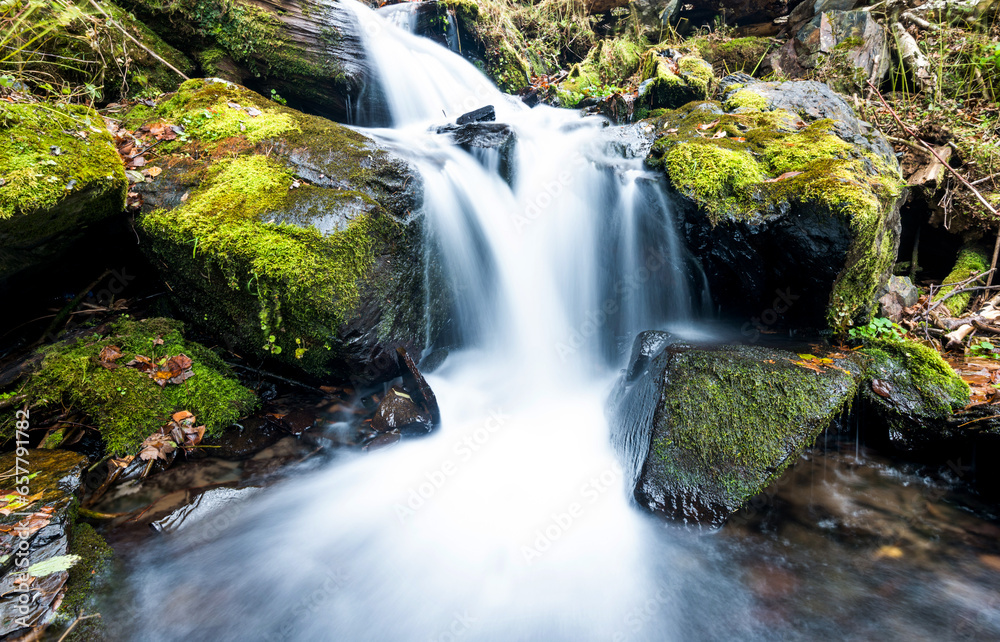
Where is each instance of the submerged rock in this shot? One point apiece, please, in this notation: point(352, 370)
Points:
point(790, 203)
point(702, 430)
point(34, 535)
point(59, 174)
point(286, 235)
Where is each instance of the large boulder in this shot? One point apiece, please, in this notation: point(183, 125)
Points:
point(788, 200)
point(308, 51)
point(670, 79)
point(701, 430)
point(59, 175)
point(284, 234)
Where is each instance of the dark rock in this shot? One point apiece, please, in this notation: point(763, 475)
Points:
point(785, 176)
point(807, 10)
point(486, 135)
point(486, 113)
point(381, 441)
point(47, 521)
point(414, 381)
point(701, 430)
point(399, 412)
point(247, 438)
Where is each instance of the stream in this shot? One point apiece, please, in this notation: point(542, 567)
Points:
point(512, 521)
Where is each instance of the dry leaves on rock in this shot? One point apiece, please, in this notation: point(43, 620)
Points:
point(11, 502)
point(181, 432)
point(166, 370)
point(31, 524)
point(108, 356)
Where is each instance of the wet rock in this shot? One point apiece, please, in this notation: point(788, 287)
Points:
point(701, 430)
point(486, 135)
point(51, 478)
point(45, 209)
point(420, 389)
point(480, 115)
point(211, 512)
point(247, 438)
point(788, 200)
point(900, 293)
point(381, 441)
point(320, 220)
point(399, 412)
point(915, 394)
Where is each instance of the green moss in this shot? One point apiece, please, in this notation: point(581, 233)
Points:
point(712, 175)
point(124, 404)
point(971, 260)
point(730, 56)
point(733, 419)
point(95, 558)
point(920, 379)
point(765, 160)
point(670, 86)
point(49, 153)
point(746, 100)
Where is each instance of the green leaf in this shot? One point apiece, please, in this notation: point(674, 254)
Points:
point(53, 565)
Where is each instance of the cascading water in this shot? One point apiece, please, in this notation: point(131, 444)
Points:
point(512, 521)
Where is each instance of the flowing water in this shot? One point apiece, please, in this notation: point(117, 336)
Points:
point(511, 522)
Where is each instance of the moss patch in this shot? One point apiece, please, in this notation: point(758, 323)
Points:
point(733, 419)
point(971, 260)
point(124, 404)
point(96, 559)
point(920, 380)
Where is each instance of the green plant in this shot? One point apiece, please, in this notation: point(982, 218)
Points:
point(984, 350)
point(276, 97)
point(878, 328)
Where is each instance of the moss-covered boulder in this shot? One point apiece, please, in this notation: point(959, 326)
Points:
point(125, 403)
point(59, 174)
point(704, 429)
point(669, 79)
point(730, 55)
point(914, 393)
point(790, 203)
point(308, 51)
point(37, 504)
point(286, 235)
point(607, 69)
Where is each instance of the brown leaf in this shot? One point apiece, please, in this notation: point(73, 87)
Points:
point(153, 171)
point(138, 161)
point(881, 388)
point(181, 416)
point(706, 126)
point(157, 446)
point(142, 363)
point(11, 502)
point(108, 356)
point(31, 524)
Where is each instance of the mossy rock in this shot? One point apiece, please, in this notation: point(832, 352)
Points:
point(971, 261)
point(915, 393)
point(287, 235)
point(669, 81)
point(704, 429)
point(124, 404)
point(494, 45)
point(48, 480)
point(727, 56)
point(310, 53)
point(791, 205)
point(59, 174)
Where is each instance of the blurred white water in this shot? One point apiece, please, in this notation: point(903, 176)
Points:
point(511, 522)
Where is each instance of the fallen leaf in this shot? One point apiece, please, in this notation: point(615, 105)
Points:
point(157, 446)
point(53, 565)
point(181, 416)
point(108, 356)
point(31, 524)
point(881, 388)
point(740, 139)
point(719, 134)
point(153, 171)
point(12, 502)
point(892, 552)
point(253, 112)
point(138, 161)
point(710, 125)
point(672, 130)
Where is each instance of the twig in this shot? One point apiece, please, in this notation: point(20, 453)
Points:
point(958, 288)
point(983, 180)
point(75, 622)
point(992, 210)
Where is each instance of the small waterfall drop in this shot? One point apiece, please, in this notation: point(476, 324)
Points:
point(512, 521)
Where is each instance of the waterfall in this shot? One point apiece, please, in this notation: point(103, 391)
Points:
point(512, 522)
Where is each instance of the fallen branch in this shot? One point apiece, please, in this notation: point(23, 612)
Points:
point(920, 22)
point(913, 58)
point(964, 181)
